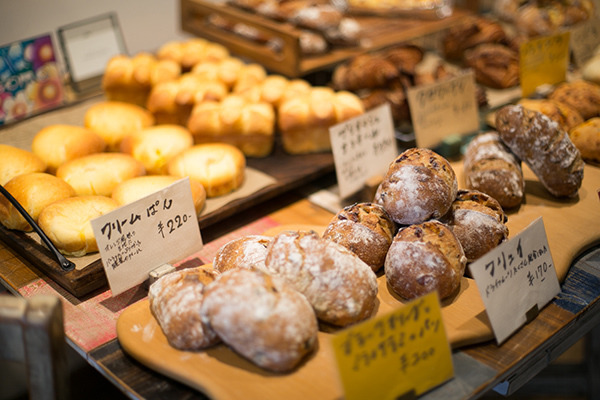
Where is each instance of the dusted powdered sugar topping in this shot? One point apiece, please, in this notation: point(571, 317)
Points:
point(489, 147)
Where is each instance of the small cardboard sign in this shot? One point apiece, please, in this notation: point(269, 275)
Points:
point(543, 61)
point(585, 39)
point(139, 237)
point(444, 108)
point(362, 148)
point(403, 353)
point(515, 279)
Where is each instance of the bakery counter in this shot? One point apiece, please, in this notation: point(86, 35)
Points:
point(91, 322)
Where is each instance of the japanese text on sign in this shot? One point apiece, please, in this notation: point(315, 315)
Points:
point(514, 277)
point(405, 350)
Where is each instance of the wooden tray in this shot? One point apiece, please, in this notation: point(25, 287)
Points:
point(378, 33)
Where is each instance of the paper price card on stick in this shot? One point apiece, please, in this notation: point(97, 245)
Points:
point(139, 237)
point(543, 61)
point(363, 147)
point(442, 109)
point(516, 279)
point(403, 353)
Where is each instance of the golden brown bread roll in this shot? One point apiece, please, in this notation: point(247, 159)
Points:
point(260, 317)
point(544, 147)
point(248, 125)
point(365, 229)
point(67, 224)
point(491, 167)
point(175, 300)
point(113, 120)
point(423, 258)
point(156, 145)
point(247, 251)
point(586, 137)
point(190, 52)
point(219, 167)
point(34, 191)
point(16, 161)
point(469, 33)
point(565, 115)
point(363, 72)
point(478, 222)
point(276, 89)
point(136, 188)
point(341, 288)
point(419, 185)
point(59, 143)
point(495, 65)
point(99, 173)
point(581, 95)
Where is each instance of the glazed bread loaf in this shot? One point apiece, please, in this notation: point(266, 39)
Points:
point(156, 145)
point(495, 65)
point(136, 188)
point(365, 229)
point(247, 252)
point(423, 258)
point(565, 115)
point(113, 120)
point(219, 167)
point(260, 317)
point(419, 185)
point(175, 300)
point(34, 191)
point(341, 288)
point(478, 222)
point(544, 147)
point(249, 126)
point(67, 223)
point(16, 161)
point(304, 121)
point(586, 137)
point(581, 95)
point(491, 167)
point(99, 173)
point(59, 143)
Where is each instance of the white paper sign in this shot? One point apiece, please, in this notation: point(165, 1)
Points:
point(363, 147)
point(139, 237)
point(516, 277)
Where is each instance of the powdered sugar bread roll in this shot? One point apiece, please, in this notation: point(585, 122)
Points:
point(244, 252)
point(341, 288)
point(423, 258)
point(544, 147)
point(175, 300)
point(419, 185)
point(478, 222)
point(261, 317)
point(365, 229)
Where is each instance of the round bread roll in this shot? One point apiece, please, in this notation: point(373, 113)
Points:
point(175, 300)
point(34, 191)
point(188, 53)
point(261, 318)
point(419, 185)
point(136, 188)
point(581, 95)
point(67, 223)
point(365, 229)
point(59, 143)
point(113, 120)
point(98, 174)
point(586, 137)
point(16, 161)
point(490, 167)
point(219, 167)
point(423, 258)
point(244, 252)
point(477, 220)
point(565, 115)
point(337, 283)
point(156, 145)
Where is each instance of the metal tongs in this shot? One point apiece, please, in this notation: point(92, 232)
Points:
point(64, 263)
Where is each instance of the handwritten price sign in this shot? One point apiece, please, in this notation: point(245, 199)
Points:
point(402, 352)
point(138, 237)
point(515, 277)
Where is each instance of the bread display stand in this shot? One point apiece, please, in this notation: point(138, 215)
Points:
point(378, 32)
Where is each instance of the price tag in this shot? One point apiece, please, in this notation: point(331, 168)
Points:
point(516, 278)
point(138, 237)
point(442, 109)
point(585, 38)
point(362, 148)
point(405, 352)
point(543, 61)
